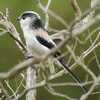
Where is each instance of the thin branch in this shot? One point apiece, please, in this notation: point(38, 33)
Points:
point(76, 8)
point(29, 89)
point(84, 96)
point(46, 14)
point(53, 14)
point(71, 84)
point(53, 92)
point(18, 68)
point(7, 83)
point(4, 90)
point(81, 63)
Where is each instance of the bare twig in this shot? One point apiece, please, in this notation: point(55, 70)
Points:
point(46, 14)
point(19, 67)
point(53, 92)
point(81, 63)
point(8, 85)
point(53, 14)
point(4, 90)
point(76, 7)
point(70, 84)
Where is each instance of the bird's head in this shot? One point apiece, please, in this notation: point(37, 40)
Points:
point(30, 19)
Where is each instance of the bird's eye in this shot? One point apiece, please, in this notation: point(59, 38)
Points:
point(24, 18)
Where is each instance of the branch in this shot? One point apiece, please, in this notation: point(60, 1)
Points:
point(4, 90)
point(16, 69)
point(46, 14)
point(53, 14)
point(76, 8)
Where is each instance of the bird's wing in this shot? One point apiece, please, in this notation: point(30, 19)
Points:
point(48, 43)
point(45, 42)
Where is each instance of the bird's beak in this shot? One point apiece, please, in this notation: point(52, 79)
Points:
point(18, 19)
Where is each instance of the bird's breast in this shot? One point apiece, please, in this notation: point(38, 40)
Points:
point(37, 49)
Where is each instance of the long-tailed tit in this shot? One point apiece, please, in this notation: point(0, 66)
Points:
point(38, 41)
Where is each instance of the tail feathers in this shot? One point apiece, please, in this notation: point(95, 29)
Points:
point(76, 78)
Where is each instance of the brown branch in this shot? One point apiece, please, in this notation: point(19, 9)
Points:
point(75, 7)
point(53, 14)
point(17, 69)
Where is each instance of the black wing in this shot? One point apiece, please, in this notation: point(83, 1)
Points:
point(45, 43)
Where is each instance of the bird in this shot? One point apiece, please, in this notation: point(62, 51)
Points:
point(39, 42)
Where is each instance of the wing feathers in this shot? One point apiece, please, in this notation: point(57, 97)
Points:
point(45, 43)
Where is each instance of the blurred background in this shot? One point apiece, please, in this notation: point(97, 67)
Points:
point(10, 55)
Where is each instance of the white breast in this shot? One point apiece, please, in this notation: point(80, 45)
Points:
point(33, 45)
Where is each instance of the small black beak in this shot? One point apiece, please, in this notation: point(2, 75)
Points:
point(18, 19)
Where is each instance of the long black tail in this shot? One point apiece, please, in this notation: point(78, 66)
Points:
point(76, 79)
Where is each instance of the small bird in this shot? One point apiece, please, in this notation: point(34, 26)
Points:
point(38, 41)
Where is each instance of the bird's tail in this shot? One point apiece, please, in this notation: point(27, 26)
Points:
point(76, 78)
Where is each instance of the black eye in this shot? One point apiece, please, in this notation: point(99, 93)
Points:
point(24, 18)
